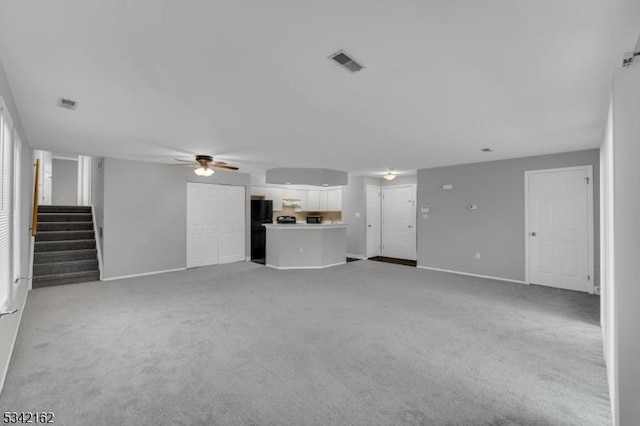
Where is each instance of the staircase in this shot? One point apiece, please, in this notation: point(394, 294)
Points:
point(65, 248)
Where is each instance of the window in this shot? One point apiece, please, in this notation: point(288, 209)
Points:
point(17, 205)
point(6, 159)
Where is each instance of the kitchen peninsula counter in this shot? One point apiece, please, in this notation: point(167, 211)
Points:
point(306, 245)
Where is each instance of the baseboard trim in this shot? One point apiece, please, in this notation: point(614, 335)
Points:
point(356, 256)
point(305, 267)
point(471, 275)
point(144, 274)
point(13, 342)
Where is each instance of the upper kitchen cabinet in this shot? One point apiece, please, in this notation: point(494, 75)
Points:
point(275, 194)
point(293, 194)
point(313, 201)
point(323, 201)
point(334, 200)
point(269, 193)
point(258, 191)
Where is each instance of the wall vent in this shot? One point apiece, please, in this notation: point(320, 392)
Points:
point(345, 61)
point(67, 103)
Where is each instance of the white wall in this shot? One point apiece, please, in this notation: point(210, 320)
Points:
point(400, 180)
point(354, 200)
point(626, 244)
point(9, 324)
point(452, 235)
point(144, 227)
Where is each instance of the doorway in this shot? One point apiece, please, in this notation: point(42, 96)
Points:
point(215, 224)
point(559, 228)
point(374, 221)
point(398, 222)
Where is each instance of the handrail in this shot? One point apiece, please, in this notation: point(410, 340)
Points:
point(34, 215)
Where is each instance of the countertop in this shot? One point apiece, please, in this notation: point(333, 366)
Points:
point(302, 225)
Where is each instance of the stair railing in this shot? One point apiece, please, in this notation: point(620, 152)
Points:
point(34, 215)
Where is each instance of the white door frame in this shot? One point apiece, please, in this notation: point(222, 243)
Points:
point(414, 244)
point(527, 174)
point(366, 235)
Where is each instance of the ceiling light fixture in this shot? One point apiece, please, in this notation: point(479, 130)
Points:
point(389, 175)
point(204, 171)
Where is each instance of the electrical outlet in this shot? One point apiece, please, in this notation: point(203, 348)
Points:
point(477, 256)
point(596, 290)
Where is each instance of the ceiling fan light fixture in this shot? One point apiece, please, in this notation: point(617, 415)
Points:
point(389, 176)
point(203, 171)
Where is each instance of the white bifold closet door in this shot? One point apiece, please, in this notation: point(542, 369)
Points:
point(215, 224)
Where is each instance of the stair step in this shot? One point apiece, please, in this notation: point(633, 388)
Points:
point(64, 217)
point(48, 246)
point(64, 235)
point(58, 279)
point(65, 226)
point(65, 267)
point(64, 256)
point(64, 209)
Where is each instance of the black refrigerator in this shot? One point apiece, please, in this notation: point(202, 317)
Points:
point(261, 212)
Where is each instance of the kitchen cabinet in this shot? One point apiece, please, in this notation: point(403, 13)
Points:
point(292, 194)
point(323, 201)
point(313, 201)
point(260, 191)
point(275, 194)
point(334, 200)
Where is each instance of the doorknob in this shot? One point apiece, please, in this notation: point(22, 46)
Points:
point(533, 234)
point(369, 226)
point(409, 226)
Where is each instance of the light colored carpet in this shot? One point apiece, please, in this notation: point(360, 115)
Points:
point(365, 343)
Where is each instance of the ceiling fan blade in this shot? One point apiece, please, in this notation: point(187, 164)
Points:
point(221, 166)
point(219, 163)
point(184, 161)
point(182, 165)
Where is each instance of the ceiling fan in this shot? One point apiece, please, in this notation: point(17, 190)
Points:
point(206, 164)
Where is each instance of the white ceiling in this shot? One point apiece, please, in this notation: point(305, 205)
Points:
point(249, 81)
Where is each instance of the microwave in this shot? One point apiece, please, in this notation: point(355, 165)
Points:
point(314, 219)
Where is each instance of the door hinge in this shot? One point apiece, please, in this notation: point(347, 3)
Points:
point(587, 179)
point(588, 277)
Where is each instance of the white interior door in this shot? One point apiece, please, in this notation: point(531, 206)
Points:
point(374, 221)
point(398, 217)
point(202, 225)
point(560, 234)
point(85, 170)
point(46, 176)
point(232, 224)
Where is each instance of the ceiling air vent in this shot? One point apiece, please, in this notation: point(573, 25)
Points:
point(67, 103)
point(345, 61)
